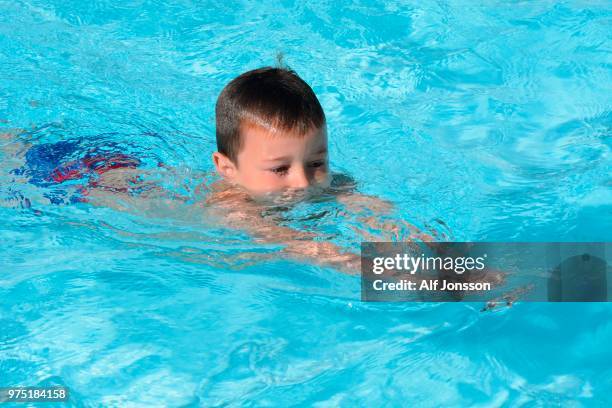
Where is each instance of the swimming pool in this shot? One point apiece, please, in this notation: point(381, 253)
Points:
point(487, 122)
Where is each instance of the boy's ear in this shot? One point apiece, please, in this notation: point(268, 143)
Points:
point(225, 167)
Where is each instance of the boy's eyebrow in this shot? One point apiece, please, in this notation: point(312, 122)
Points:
point(279, 158)
point(283, 158)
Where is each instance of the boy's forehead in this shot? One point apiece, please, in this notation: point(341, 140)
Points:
point(262, 141)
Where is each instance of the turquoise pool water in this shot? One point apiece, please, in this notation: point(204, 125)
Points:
point(485, 121)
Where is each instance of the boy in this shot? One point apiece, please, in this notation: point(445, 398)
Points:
point(272, 148)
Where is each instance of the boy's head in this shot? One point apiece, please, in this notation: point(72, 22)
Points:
point(271, 132)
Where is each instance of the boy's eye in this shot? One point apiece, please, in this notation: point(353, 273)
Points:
point(317, 164)
point(280, 170)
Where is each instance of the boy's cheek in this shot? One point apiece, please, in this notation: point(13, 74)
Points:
point(260, 183)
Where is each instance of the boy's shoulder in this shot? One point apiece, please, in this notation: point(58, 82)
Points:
point(220, 193)
point(342, 183)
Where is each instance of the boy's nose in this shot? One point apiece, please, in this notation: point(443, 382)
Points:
point(299, 179)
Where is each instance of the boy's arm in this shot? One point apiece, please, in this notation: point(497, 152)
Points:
point(370, 211)
point(231, 208)
point(361, 203)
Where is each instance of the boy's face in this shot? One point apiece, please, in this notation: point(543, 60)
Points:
point(272, 161)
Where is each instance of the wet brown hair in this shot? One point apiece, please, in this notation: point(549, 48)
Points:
point(271, 97)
